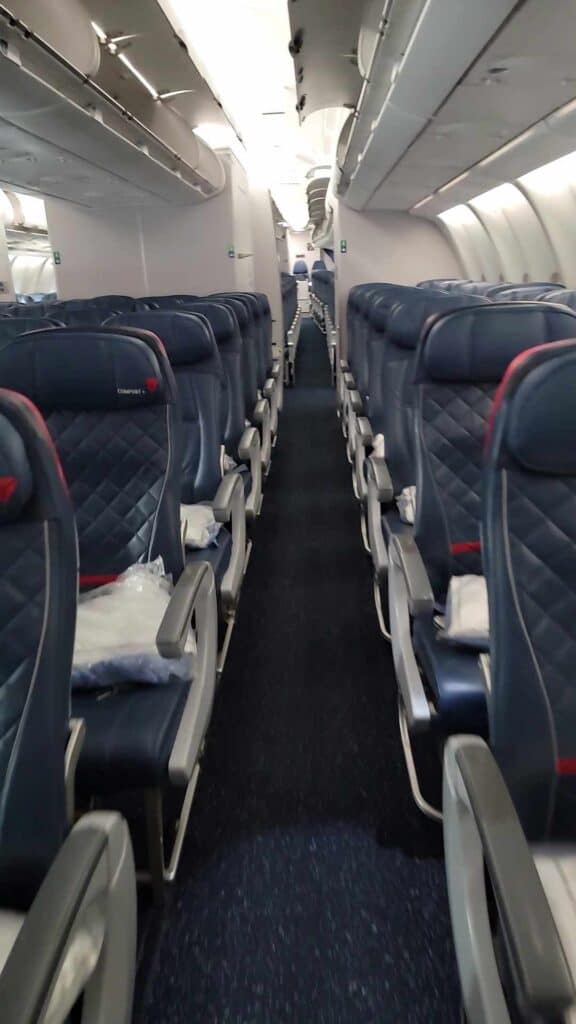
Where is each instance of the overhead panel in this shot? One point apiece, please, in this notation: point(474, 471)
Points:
point(523, 75)
point(324, 47)
point(128, 141)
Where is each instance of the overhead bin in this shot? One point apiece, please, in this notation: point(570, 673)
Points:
point(323, 47)
point(59, 104)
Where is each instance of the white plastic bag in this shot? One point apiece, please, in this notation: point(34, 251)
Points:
point(116, 629)
point(406, 502)
point(466, 620)
point(199, 526)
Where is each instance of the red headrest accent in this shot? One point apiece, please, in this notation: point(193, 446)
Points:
point(8, 485)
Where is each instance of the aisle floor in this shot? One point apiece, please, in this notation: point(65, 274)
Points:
point(311, 891)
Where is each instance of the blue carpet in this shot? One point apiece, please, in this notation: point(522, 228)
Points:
point(310, 890)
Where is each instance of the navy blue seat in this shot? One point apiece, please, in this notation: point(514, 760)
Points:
point(166, 301)
point(300, 270)
point(396, 334)
point(461, 358)
point(13, 327)
point(257, 406)
point(318, 265)
point(81, 314)
point(242, 443)
point(110, 402)
point(564, 296)
point(48, 863)
point(511, 808)
point(526, 292)
point(191, 348)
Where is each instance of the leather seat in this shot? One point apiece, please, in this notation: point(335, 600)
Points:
point(12, 327)
point(461, 359)
point(456, 680)
point(111, 405)
point(300, 270)
point(130, 736)
point(55, 873)
point(200, 379)
point(509, 810)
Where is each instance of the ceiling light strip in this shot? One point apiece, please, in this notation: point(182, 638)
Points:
point(138, 74)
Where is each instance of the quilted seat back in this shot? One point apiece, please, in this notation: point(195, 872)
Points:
point(256, 336)
point(242, 312)
point(462, 356)
point(392, 391)
point(530, 537)
point(193, 354)
point(110, 402)
point(229, 341)
point(380, 303)
point(38, 586)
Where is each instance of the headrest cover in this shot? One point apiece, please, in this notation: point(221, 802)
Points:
point(187, 337)
point(220, 317)
point(537, 402)
point(16, 481)
point(478, 344)
point(84, 369)
point(407, 317)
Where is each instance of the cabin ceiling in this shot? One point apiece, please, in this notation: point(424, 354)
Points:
point(524, 74)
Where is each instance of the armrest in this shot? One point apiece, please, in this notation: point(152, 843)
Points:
point(229, 507)
point(249, 451)
point(76, 736)
point(409, 560)
point(541, 974)
point(261, 416)
point(173, 630)
point(349, 380)
point(276, 369)
point(268, 388)
point(355, 402)
point(28, 976)
point(223, 502)
point(344, 366)
point(379, 474)
point(364, 431)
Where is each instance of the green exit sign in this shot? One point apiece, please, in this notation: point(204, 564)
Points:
point(57, 257)
point(343, 245)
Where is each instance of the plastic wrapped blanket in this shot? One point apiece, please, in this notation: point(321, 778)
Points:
point(199, 527)
point(116, 629)
point(466, 620)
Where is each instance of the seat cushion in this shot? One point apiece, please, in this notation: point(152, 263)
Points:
point(218, 554)
point(455, 678)
point(129, 736)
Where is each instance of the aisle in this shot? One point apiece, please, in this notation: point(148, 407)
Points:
point(309, 889)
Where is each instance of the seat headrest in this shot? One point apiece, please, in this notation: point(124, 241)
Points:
point(220, 317)
point(187, 337)
point(16, 479)
point(479, 344)
point(407, 318)
point(384, 298)
point(536, 403)
point(86, 369)
point(241, 311)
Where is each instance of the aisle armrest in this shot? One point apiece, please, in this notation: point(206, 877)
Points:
point(229, 508)
point(262, 418)
point(409, 596)
point(249, 452)
point(541, 976)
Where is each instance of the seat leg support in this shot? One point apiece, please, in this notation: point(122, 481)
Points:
point(159, 872)
point(419, 799)
point(380, 611)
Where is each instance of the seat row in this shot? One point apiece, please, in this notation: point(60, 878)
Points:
point(459, 415)
point(293, 312)
point(113, 439)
